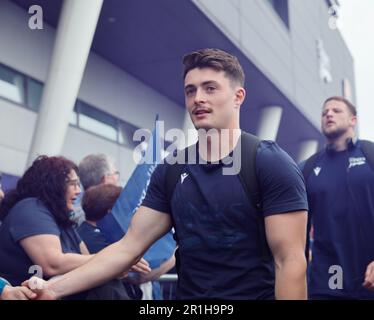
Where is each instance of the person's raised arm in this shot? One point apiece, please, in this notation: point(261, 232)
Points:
point(45, 250)
point(286, 234)
point(146, 227)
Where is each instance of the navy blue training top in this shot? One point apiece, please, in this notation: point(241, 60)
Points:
point(341, 201)
point(92, 237)
point(27, 218)
point(219, 254)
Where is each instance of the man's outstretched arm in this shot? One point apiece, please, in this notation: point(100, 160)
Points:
point(286, 234)
point(146, 227)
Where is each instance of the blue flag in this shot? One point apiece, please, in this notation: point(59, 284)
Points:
point(115, 224)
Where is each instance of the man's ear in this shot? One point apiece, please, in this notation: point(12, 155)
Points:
point(353, 121)
point(239, 96)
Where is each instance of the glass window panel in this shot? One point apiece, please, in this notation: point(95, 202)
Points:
point(73, 119)
point(11, 85)
point(97, 127)
point(97, 114)
point(281, 8)
point(96, 121)
point(126, 133)
point(34, 94)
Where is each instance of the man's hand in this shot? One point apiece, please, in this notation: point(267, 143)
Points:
point(17, 293)
point(369, 277)
point(40, 288)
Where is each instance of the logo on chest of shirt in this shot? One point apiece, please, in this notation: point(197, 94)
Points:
point(183, 176)
point(317, 170)
point(353, 162)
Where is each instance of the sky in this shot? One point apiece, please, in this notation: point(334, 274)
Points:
point(356, 23)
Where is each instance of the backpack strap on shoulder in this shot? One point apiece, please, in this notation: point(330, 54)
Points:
point(247, 174)
point(248, 178)
point(367, 148)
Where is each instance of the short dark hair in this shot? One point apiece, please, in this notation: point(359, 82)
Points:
point(216, 59)
point(98, 200)
point(349, 104)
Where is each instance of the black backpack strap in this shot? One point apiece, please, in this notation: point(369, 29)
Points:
point(307, 170)
point(367, 148)
point(248, 178)
point(247, 175)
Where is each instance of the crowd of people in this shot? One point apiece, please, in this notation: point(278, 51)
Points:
point(239, 236)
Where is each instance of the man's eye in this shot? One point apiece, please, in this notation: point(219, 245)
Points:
point(189, 92)
point(211, 89)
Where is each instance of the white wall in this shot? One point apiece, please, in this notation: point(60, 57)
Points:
point(104, 86)
point(288, 57)
point(16, 128)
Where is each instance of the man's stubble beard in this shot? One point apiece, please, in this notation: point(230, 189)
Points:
point(334, 134)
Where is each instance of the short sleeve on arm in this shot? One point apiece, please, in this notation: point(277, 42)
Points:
point(281, 182)
point(30, 217)
point(156, 197)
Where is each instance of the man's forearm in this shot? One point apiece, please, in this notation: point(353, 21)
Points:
point(290, 279)
point(66, 263)
point(104, 266)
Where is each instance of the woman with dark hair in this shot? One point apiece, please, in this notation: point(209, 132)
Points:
point(36, 229)
point(37, 234)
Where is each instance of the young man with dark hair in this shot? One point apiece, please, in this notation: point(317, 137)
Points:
point(340, 185)
point(218, 229)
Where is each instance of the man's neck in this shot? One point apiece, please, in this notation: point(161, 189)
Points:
point(340, 143)
point(217, 146)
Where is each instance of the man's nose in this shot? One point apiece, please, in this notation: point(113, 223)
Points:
point(199, 96)
point(328, 114)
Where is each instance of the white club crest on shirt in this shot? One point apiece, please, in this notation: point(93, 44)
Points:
point(317, 170)
point(356, 161)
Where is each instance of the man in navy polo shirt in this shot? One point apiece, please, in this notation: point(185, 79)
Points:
point(341, 202)
point(219, 244)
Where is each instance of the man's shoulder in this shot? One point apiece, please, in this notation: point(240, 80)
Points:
point(269, 152)
point(87, 231)
point(365, 140)
point(365, 145)
point(84, 227)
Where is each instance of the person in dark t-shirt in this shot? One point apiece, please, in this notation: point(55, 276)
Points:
point(340, 193)
point(37, 235)
point(219, 252)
